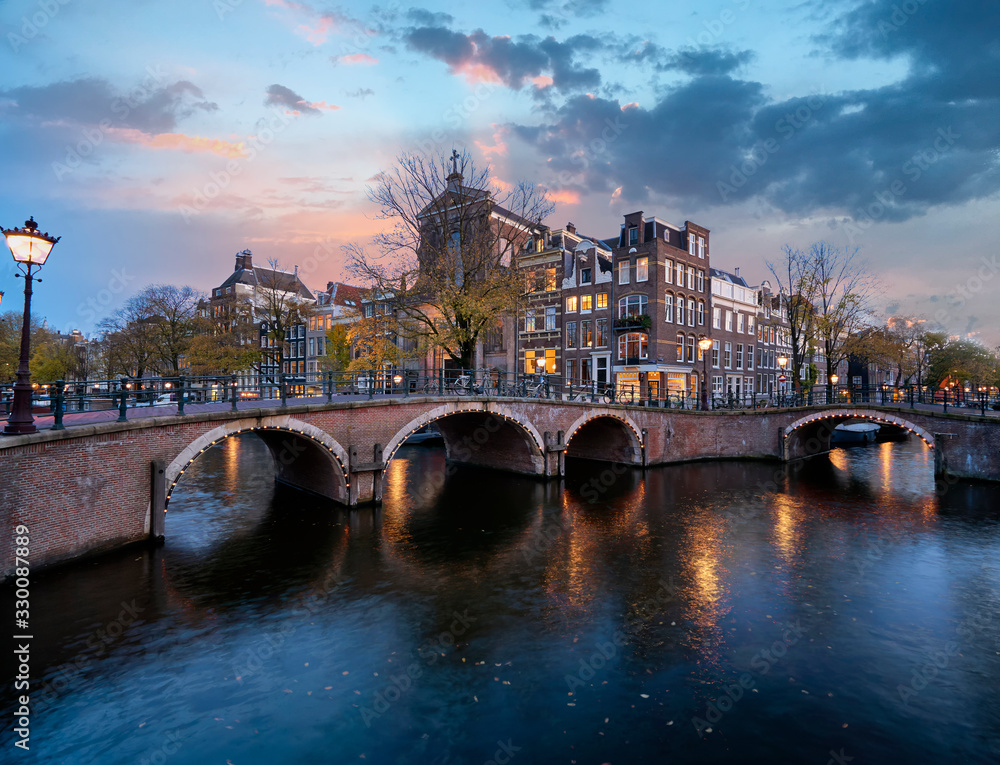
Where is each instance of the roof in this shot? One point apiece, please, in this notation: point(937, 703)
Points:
point(718, 273)
point(269, 279)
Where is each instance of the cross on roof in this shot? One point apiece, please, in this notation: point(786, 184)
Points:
point(454, 161)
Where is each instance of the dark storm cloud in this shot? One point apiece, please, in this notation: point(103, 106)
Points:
point(511, 61)
point(279, 95)
point(890, 152)
point(152, 106)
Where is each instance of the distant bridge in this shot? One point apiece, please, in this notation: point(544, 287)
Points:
point(97, 486)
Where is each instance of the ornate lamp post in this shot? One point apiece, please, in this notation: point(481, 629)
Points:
point(782, 362)
point(30, 249)
point(703, 345)
point(833, 388)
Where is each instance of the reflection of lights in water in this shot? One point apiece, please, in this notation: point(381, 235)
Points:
point(787, 528)
point(838, 458)
point(885, 461)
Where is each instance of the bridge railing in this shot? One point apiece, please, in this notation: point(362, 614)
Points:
point(123, 397)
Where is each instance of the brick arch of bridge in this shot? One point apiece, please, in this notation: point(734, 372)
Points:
point(304, 456)
point(811, 434)
point(493, 437)
point(606, 436)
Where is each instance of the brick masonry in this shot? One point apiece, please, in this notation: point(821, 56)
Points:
point(88, 488)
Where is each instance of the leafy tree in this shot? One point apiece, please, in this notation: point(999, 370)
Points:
point(10, 343)
point(446, 266)
point(338, 348)
point(52, 360)
point(962, 361)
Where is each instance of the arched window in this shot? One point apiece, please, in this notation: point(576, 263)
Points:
point(680, 346)
point(633, 345)
point(701, 313)
point(632, 305)
point(668, 306)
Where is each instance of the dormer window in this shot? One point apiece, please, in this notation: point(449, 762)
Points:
point(633, 235)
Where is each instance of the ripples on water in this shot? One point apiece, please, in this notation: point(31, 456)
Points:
point(593, 620)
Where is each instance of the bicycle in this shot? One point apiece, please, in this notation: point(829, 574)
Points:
point(623, 396)
point(526, 389)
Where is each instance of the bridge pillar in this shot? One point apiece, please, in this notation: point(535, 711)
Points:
point(364, 478)
point(555, 453)
point(941, 449)
point(157, 499)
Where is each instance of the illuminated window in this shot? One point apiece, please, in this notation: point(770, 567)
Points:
point(586, 302)
point(633, 345)
point(632, 305)
point(571, 304)
point(602, 300)
point(641, 269)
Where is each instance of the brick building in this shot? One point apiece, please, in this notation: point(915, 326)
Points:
point(660, 297)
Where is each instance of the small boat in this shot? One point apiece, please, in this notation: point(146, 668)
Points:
point(428, 435)
point(855, 433)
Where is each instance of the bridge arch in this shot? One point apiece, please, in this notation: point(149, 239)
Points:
point(811, 434)
point(606, 436)
point(305, 456)
point(487, 435)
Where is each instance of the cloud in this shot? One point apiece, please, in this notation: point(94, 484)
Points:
point(361, 93)
point(481, 58)
point(355, 59)
point(153, 106)
point(887, 153)
point(279, 95)
point(692, 61)
point(423, 18)
point(178, 141)
point(564, 196)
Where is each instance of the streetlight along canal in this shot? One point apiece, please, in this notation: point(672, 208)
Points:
point(696, 613)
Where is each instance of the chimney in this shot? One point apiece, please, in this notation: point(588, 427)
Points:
point(571, 228)
point(737, 272)
point(244, 260)
point(296, 272)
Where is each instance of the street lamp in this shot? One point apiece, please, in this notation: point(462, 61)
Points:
point(782, 362)
point(833, 384)
point(703, 345)
point(30, 249)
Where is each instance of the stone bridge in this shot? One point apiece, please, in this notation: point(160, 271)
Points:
point(95, 487)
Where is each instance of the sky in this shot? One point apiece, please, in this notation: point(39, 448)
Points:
point(161, 138)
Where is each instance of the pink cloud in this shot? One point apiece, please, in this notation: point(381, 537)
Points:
point(564, 196)
point(499, 147)
point(318, 33)
point(358, 58)
point(542, 81)
point(476, 73)
point(178, 142)
point(322, 105)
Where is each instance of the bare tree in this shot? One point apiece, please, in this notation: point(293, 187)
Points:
point(130, 339)
point(447, 264)
point(796, 287)
point(177, 309)
point(281, 302)
point(829, 290)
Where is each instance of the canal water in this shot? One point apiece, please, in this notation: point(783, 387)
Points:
point(846, 610)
